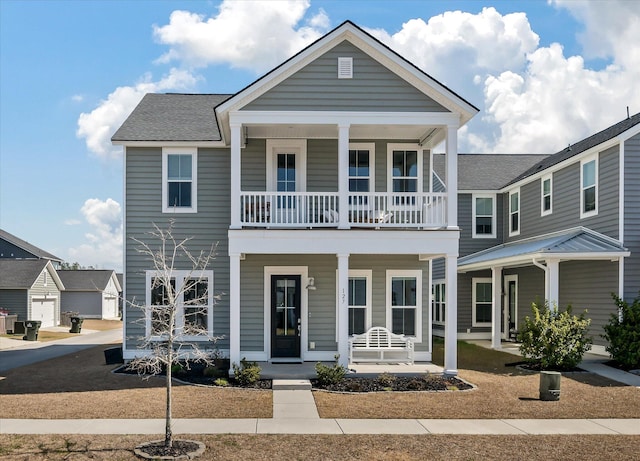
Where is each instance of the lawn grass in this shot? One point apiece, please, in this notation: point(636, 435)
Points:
point(232, 447)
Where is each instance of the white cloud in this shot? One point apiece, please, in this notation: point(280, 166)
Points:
point(104, 241)
point(253, 35)
point(97, 126)
point(72, 222)
point(77, 98)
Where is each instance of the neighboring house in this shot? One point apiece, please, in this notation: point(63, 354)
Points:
point(31, 290)
point(565, 229)
point(315, 181)
point(12, 247)
point(91, 293)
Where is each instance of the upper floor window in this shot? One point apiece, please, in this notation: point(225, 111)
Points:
point(589, 187)
point(482, 301)
point(361, 164)
point(179, 183)
point(484, 216)
point(514, 212)
point(404, 303)
point(546, 191)
point(404, 176)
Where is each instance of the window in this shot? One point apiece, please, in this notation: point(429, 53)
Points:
point(439, 301)
point(359, 301)
point(514, 212)
point(192, 294)
point(405, 171)
point(404, 303)
point(484, 216)
point(179, 191)
point(482, 301)
point(589, 187)
point(361, 166)
point(546, 190)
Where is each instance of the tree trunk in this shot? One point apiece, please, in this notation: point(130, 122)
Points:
point(168, 434)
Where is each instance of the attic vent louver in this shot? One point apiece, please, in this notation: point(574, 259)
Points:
point(345, 67)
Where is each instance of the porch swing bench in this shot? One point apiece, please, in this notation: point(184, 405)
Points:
point(380, 345)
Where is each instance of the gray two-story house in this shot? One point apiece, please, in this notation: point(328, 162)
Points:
point(316, 183)
point(564, 228)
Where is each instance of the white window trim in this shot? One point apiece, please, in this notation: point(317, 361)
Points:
point(474, 281)
point(544, 212)
point(435, 283)
point(407, 273)
point(513, 192)
point(371, 147)
point(180, 276)
point(591, 158)
point(404, 146)
point(493, 216)
point(281, 146)
point(368, 274)
point(193, 151)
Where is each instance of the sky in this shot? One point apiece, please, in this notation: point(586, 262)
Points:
point(543, 74)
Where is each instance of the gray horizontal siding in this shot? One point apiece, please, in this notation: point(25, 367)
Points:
point(566, 201)
point(632, 217)
point(317, 87)
point(587, 285)
point(468, 244)
point(86, 304)
point(15, 301)
point(322, 165)
point(208, 227)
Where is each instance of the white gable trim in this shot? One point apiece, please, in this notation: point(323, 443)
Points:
point(367, 44)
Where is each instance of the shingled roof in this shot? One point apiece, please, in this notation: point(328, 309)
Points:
point(486, 171)
point(22, 273)
point(85, 280)
point(172, 117)
point(26, 246)
point(579, 147)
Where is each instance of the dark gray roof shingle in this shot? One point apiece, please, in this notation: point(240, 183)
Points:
point(172, 117)
point(581, 146)
point(486, 171)
point(34, 250)
point(20, 273)
point(85, 280)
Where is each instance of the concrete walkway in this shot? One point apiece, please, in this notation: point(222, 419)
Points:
point(325, 426)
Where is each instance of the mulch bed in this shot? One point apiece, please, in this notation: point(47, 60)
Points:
point(396, 383)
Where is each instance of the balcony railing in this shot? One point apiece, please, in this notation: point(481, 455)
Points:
point(320, 209)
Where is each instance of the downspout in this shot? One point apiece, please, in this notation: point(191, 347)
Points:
point(546, 277)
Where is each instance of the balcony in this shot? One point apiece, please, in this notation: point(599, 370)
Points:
point(380, 210)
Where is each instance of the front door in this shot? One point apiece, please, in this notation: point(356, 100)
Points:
point(511, 306)
point(285, 316)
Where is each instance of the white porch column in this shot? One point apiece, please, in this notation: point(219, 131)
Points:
point(235, 174)
point(496, 302)
point(343, 309)
point(452, 177)
point(451, 316)
point(553, 274)
point(343, 176)
point(234, 309)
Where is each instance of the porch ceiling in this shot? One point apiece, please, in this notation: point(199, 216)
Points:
point(311, 131)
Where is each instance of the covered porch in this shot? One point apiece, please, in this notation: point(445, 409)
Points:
point(574, 246)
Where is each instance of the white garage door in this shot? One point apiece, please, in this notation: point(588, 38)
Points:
point(110, 308)
point(43, 310)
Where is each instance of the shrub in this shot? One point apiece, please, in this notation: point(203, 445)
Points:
point(221, 382)
point(554, 339)
point(624, 336)
point(387, 379)
point(247, 374)
point(215, 372)
point(329, 375)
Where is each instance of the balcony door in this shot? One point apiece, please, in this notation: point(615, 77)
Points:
point(286, 175)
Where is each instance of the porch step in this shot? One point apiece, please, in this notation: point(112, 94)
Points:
point(291, 385)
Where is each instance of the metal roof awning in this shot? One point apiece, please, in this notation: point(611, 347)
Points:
point(572, 244)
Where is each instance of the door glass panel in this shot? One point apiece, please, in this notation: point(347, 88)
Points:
point(286, 318)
